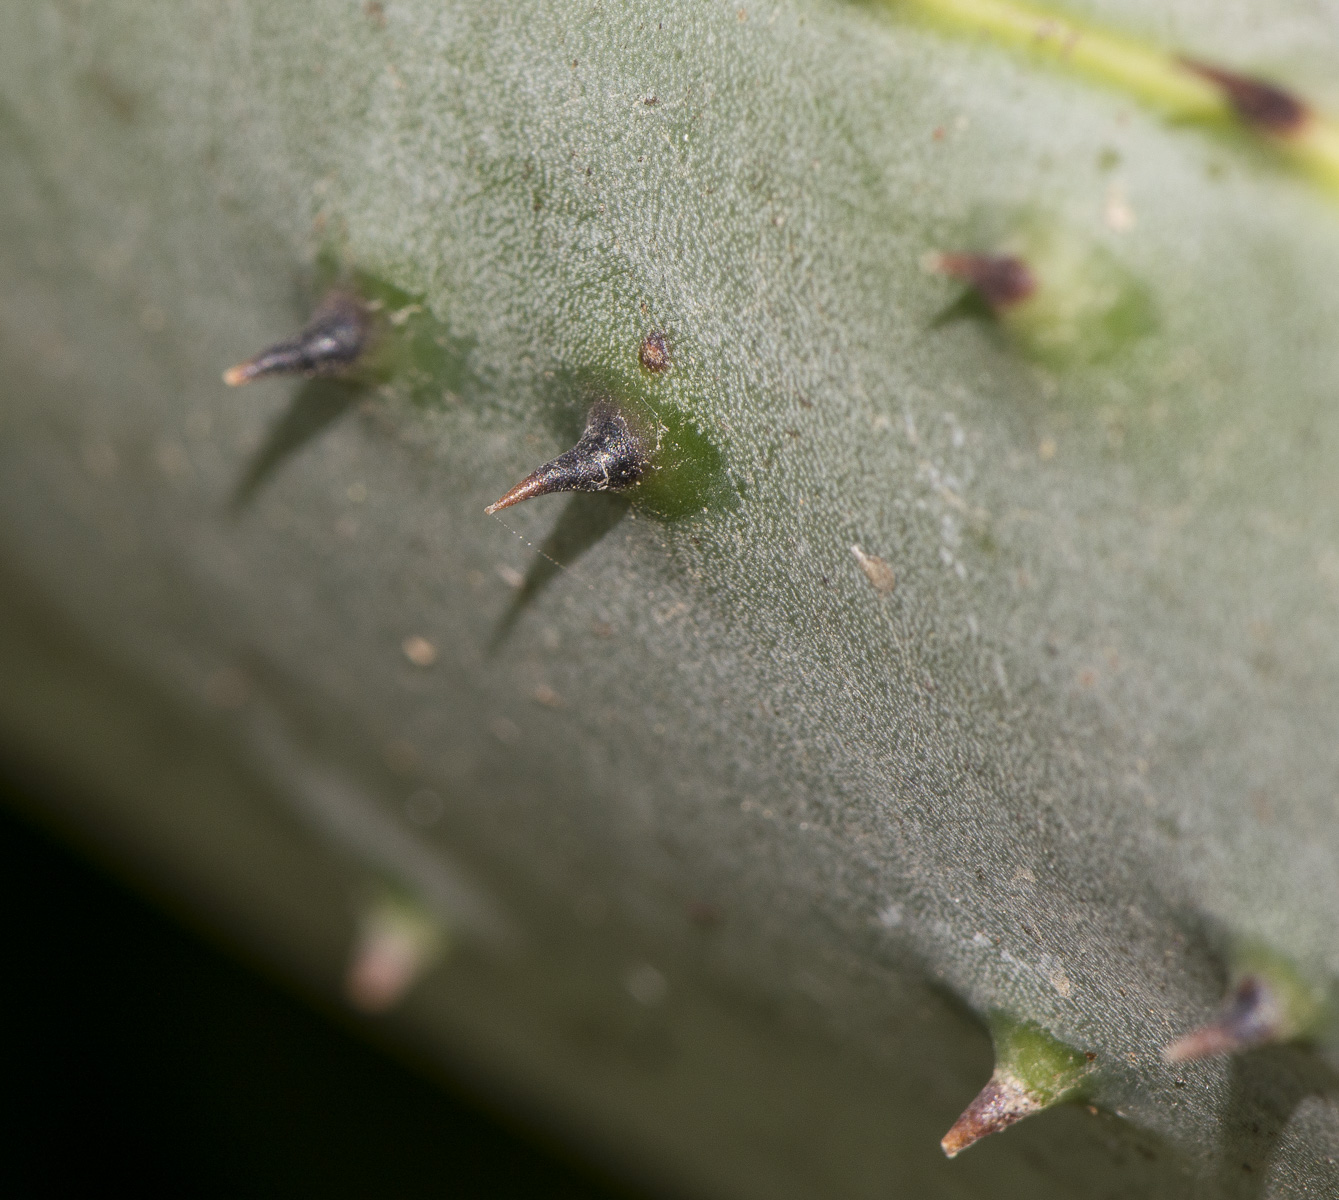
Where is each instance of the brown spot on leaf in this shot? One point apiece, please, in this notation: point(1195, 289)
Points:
point(704, 915)
point(401, 756)
point(546, 696)
point(654, 352)
point(119, 100)
point(228, 688)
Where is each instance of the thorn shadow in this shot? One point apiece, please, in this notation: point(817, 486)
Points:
point(1266, 1088)
point(315, 406)
point(969, 306)
point(586, 519)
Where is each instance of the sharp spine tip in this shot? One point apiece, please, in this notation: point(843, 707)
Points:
point(531, 485)
point(610, 457)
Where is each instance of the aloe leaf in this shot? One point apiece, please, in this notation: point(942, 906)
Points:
point(739, 835)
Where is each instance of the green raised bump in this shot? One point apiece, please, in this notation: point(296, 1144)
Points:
point(1033, 1071)
point(689, 473)
point(414, 352)
point(688, 467)
point(1085, 305)
point(1304, 1009)
point(1048, 1069)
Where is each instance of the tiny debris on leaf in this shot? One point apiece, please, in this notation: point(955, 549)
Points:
point(419, 651)
point(654, 352)
point(877, 571)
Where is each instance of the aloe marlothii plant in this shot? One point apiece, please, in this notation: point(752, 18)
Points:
point(960, 656)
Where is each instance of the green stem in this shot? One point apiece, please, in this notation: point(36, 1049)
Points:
point(1160, 79)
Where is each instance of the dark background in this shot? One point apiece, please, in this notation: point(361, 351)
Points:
point(135, 1055)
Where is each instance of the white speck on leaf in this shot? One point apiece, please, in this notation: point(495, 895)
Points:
point(877, 571)
point(646, 985)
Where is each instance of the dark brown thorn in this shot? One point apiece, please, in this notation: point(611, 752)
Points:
point(654, 353)
point(1001, 1103)
point(1002, 280)
point(333, 339)
point(608, 458)
point(1252, 1016)
point(1261, 105)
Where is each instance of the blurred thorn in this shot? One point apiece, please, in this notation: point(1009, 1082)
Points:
point(1263, 106)
point(332, 340)
point(1253, 1015)
point(1001, 280)
point(398, 941)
